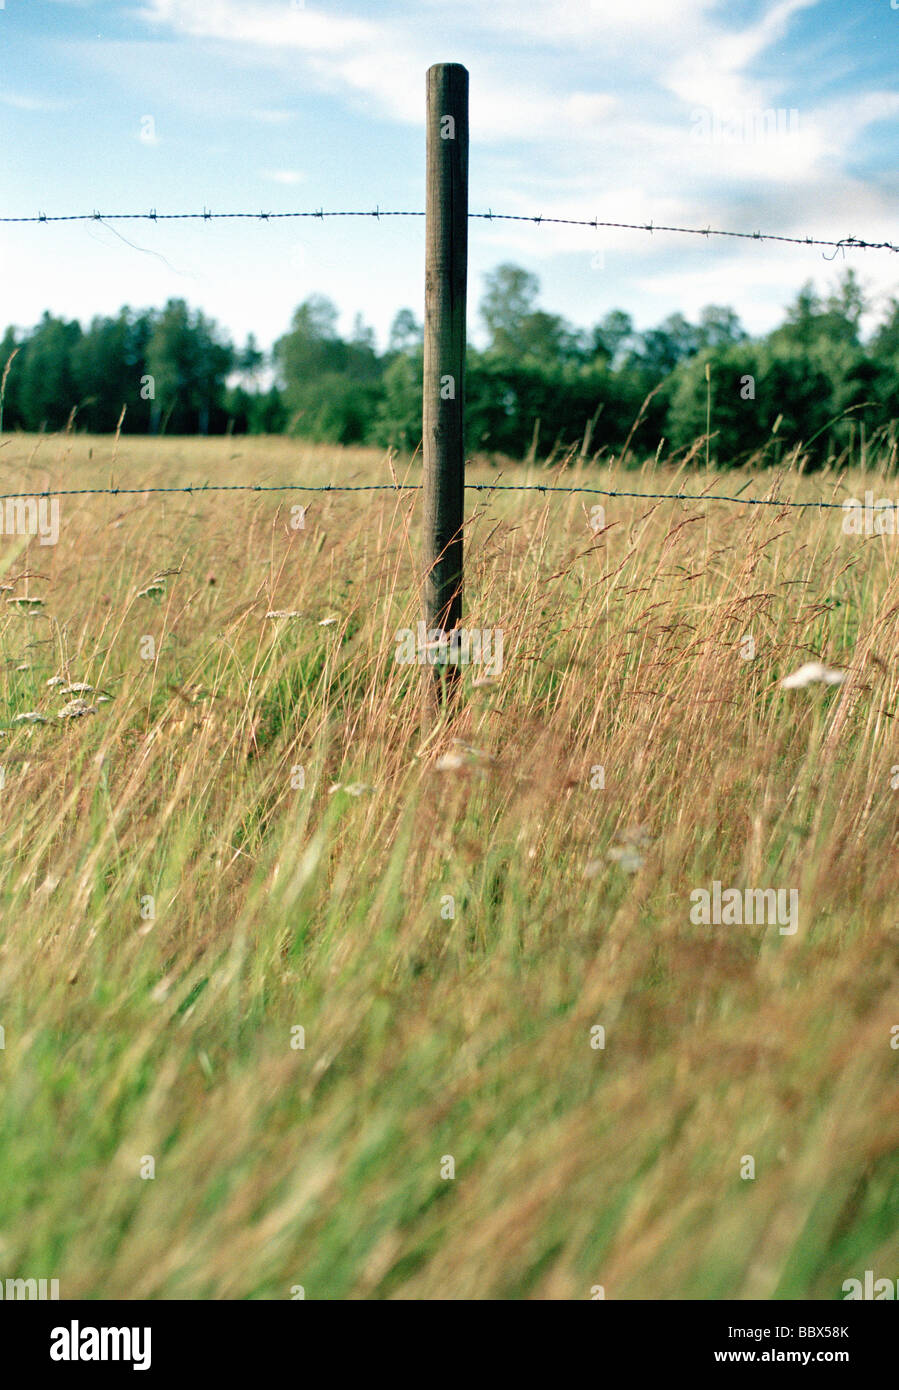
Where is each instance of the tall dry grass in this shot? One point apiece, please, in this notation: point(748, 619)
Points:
point(138, 1029)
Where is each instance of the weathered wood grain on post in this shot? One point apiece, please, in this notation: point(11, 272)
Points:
point(446, 274)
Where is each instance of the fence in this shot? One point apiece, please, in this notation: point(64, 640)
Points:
point(446, 271)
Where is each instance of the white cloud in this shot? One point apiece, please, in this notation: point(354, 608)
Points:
point(697, 60)
point(625, 149)
point(842, 121)
point(714, 73)
point(272, 25)
point(565, 21)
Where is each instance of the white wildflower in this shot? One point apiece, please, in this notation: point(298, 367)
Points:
point(462, 755)
point(450, 762)
point(75, 708)
point(627, 858)
point(811, 673)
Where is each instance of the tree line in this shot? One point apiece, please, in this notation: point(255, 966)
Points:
point(539, 383)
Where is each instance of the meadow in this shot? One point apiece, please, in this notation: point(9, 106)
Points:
point(297, 995)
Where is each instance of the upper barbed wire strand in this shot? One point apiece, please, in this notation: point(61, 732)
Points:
point(853, 243)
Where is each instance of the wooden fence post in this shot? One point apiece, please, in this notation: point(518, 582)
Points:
point(443, 441)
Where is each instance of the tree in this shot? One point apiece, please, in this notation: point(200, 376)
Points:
point(719, 326)
point(398, 418)
point(108, 364)
point(249, 359)
point(509, 298)
point(753, 387)
point(813, 376)
point(885, 342)
point(10, 417)
point(363, 335)
point(406, 333)
point(331, 387)
point(834, 320)
point(48, 391)
point(311, 347)
point(614, 337)
point(188, 363)
point(521, 332)
point(846, 306)
point(659, 350)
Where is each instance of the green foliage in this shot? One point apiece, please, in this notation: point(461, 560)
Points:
point(813, 381)
point(507, 399)
point(188, 363)
point(397, 422)
point(46, 385)
point(108, 362)
point(329, 385)
point(763, 394)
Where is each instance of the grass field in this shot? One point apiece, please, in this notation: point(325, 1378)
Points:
point(182, 890)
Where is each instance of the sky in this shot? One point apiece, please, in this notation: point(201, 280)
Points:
point(621, 110)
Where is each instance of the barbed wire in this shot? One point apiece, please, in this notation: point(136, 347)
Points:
point(853, 243)
point(843, 243)
point(544, 488)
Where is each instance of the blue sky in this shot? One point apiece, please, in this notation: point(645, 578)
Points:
point(632, 110)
